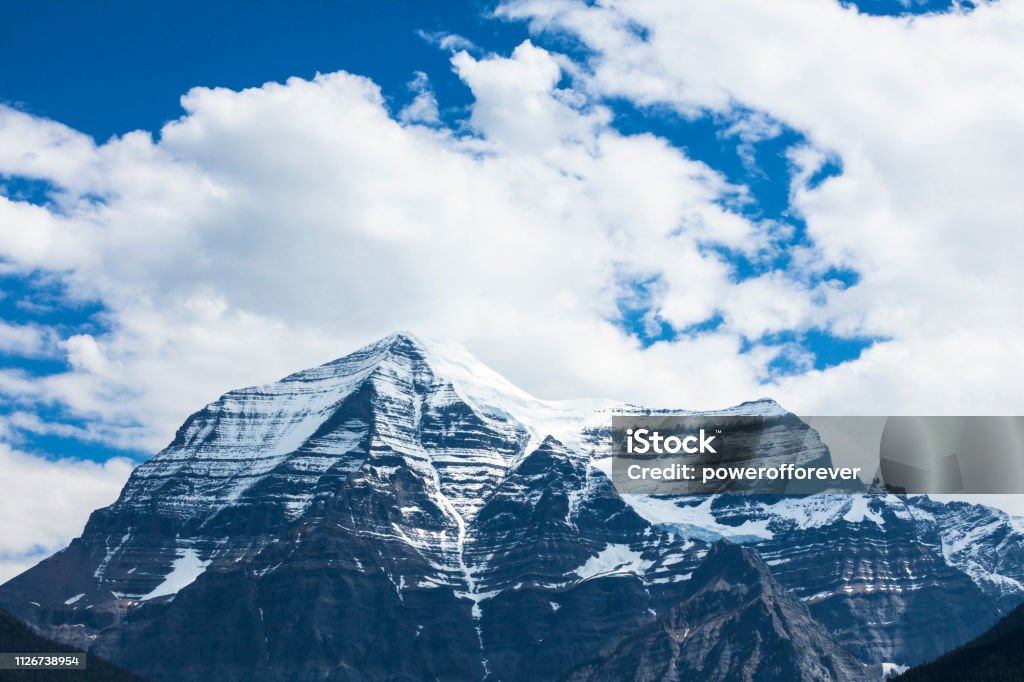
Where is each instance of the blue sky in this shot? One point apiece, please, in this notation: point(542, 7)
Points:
point(107, 69)
point(676, 203)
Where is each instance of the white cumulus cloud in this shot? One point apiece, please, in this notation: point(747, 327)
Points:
point(273, 228)
point(922, 113)
point(277, 227)
point(45, 503)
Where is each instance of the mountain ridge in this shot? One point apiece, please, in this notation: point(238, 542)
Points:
point(735, 622)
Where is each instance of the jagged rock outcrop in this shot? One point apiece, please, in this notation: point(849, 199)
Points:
point(735, 622)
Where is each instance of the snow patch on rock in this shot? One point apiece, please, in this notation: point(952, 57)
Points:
point(696, 521)
point(184, 571)
point(613, 560)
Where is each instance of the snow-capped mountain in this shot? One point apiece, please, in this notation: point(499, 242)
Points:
point(406, 511)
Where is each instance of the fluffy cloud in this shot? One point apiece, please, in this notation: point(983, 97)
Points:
point(423, 108)
point(923, 115)
point(274, 228)
point(27, 340)
point(44, 503)
point(277, 227)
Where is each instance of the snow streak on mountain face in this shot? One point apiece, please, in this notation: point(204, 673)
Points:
point(405, 510)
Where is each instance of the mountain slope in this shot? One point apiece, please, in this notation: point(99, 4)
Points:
point(879, 571)
point(995, 656)
point(735, 622)
point(17, 637)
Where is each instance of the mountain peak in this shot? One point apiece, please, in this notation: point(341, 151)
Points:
point(487, 391)
point(397, 338)
point(724, 552)
point(446, 360)
point(728, 563)
point(400, 339)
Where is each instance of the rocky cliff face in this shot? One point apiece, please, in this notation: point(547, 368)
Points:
point(893, 579)
point(406, 512)
point(735, 622)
